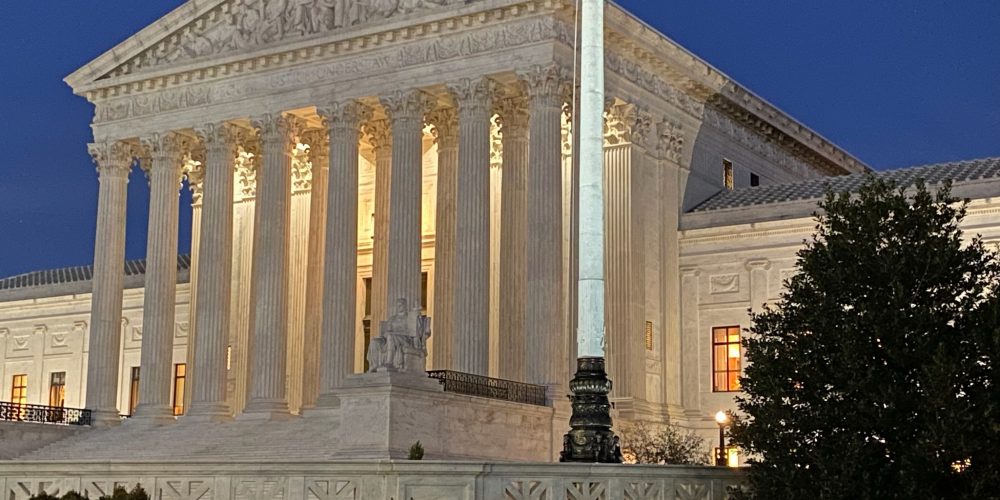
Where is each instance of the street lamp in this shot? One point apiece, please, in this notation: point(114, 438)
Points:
point(722, 418)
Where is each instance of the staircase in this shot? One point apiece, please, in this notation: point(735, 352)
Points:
point(299, 438)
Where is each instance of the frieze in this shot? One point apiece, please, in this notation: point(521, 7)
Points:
point(442, 48)
point(242, 25)
point(652, 83)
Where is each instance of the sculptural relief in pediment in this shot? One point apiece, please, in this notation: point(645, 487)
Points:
point(243, 25)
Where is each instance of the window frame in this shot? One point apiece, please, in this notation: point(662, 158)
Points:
point(57, 389)
point(19, 391)
point(728, 174)
point(730, 374)
point(180, 385)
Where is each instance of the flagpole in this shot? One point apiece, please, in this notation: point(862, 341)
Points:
point(591, 438)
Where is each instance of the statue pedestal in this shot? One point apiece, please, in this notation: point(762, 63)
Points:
point(385, 413)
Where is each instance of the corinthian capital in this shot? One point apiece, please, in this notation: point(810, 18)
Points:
point(626, 123)
point(166, 149)
point(548, 84)
point(277, 129)
point(408, 105)
point(671, 140)
point(345, 117)
point(112, 158)
point(222, 138)
point(474, 94)
point(379, 134)
point(512, 116)
point(444, 126)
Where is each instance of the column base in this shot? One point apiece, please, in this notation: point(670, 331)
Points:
point(590, 439)
point(153, 415)
point(326, 402)
point(266, 410)
point(105, 418)
point(208, 412)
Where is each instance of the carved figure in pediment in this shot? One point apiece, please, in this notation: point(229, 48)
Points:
point(382, 8)
point(348, 12)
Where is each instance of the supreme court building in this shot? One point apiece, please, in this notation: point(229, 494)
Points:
point(344, 155)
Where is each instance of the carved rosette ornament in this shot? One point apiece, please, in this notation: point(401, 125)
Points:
point(112, 159)
point(444, 127)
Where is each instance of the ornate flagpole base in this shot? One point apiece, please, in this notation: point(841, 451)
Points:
point(590, 438)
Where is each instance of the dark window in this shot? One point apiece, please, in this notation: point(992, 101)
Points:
point(133, 390)
point(180, 370)
point(57, 389)
point(754, 179)
point(726, 359)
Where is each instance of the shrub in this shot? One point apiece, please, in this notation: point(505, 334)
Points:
point(416, 451)
point(646, 443)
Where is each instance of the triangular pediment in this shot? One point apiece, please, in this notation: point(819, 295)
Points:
point(215, 29)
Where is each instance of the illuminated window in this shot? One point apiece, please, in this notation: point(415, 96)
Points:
point(649, 335)
point(180, 369)
point(229, 357)
point(732, 455)
point(727, 174)
point(133, 391)
point(19, 390)
point(754, 180)
point(57, 389)
point(726, 359)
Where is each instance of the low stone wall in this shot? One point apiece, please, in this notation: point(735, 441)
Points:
point(376, 480)
point(21, 437)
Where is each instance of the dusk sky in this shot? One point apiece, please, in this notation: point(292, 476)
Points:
point(895, 82)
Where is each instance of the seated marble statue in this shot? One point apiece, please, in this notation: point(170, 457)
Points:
point(402, 341)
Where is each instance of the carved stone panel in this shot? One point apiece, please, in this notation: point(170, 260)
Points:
point(185, 489)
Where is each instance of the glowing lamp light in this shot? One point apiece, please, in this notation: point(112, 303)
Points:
point(722, 418)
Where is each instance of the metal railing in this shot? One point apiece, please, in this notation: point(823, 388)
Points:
point(16, 412)
point(486, 387)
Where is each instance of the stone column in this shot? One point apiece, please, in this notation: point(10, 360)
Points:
point(670, 149)
point(214, 280)
point(406, 110)
point(319, 156)
point(543, 297)
point(247, 162)
point(268, 345)
point(160, 295)
point(472, 227)
point(340, 273)
point(692, 365)
point(513, 120)
point(298, 261)
point(380, 136)
point(114, 160)
point(445, 129)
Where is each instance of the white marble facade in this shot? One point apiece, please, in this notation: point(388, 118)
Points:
point(301, 129)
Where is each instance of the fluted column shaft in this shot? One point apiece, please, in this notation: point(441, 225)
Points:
point(380, 136)
point(340, 273)
point(406, 110)
point(472, 227)
point(215, 253)
point(319, 156)
point(513, 243)
point(114, 160)
point(445, 123)
point(270, 268)
point(543, 300)
point(160, 294)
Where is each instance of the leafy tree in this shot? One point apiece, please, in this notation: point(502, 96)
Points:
point(875, 376)
point(662, 444)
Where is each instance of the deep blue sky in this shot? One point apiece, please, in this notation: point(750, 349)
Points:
point(895, 82)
